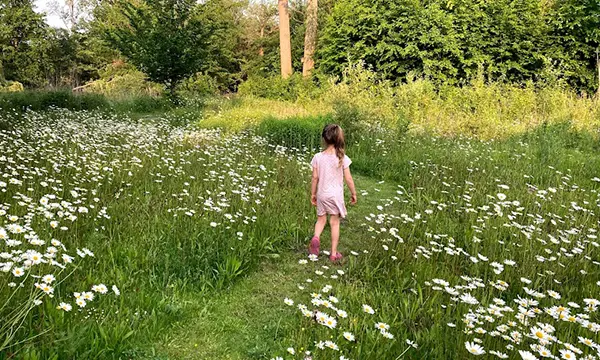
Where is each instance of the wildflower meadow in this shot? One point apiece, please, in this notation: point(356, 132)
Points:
point(156, 238)
point(157, 179)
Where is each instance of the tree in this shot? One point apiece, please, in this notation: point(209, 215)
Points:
point(22, 41)
point(223, 21)
point(574, 40)
point(285, 46)
point(260, 22)
point(310, 37)
point(449, 42)
point(165, 39)
point(262, 14)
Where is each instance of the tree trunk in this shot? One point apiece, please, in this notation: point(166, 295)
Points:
point(285, 45)
point(310, 37)
point(261, 50)
point(598, 66)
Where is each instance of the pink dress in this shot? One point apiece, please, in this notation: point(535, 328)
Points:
point(330, 189)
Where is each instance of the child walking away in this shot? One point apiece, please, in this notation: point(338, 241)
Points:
point(330, 168)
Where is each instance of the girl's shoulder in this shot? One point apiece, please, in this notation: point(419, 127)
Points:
point(347, 161)
point(315, 158)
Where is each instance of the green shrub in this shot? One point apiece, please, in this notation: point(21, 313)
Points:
point(11, 86)
point(199, 85)
point(350, 118)
point(122, 80)
point(291, 89)
point(297, 132)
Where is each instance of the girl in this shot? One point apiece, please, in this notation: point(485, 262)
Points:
point(330, 168)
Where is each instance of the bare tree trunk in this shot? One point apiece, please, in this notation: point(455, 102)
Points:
point(261, 50)
point(285, 45)
point(598, 66)
point(310, 37)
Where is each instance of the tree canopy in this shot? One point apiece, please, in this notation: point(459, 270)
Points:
point(447, 41)
point(454, 41)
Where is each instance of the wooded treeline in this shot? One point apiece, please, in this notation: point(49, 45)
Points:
point(223, 42)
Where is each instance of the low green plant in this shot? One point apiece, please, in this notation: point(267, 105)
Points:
point(42, 100)
point(140, 104)
point(291, 89)
point(11, 86)
point(296, 132)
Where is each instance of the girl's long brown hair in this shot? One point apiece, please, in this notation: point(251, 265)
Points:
point(334, 135)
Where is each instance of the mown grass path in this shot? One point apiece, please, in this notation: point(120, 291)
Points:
point(247, 320)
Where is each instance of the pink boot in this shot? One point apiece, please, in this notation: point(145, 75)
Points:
point(337, 257)
point(313, 249)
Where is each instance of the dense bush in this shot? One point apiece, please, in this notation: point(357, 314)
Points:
point(199, 85)
point(122, 80)
point(297, 132)
point(451, 42)
point(291, 89)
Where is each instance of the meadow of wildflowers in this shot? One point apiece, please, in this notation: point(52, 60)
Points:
point(105, 221)
point(114, 230)
point(466, 248)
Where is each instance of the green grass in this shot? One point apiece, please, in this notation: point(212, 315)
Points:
point(250, 319)
point(481, 110)
point(142, 174)
point(437, 174)
point(193, 288)
point(39, 100)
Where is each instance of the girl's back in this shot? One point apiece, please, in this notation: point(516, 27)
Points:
point(331, 174)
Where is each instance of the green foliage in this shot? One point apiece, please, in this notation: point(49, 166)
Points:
point(11, 86)
point(121, 80)
point(224, 43)
point(42, 100)
point(575, 40)
point(295, 132)
point(198, 85)
point(65, 99)
point(239, 113)
point(22, 33)
point(293, 88)
point(363, 103)
point(140, 104)
point(71, 59)
point(164, 39)
point(262, 16)
point(452, 42)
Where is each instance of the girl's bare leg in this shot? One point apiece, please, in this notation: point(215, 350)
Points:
point(334, 223)
point(320, 225)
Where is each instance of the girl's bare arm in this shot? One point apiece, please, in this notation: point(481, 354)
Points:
point(313, 186)
point(350, 183)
